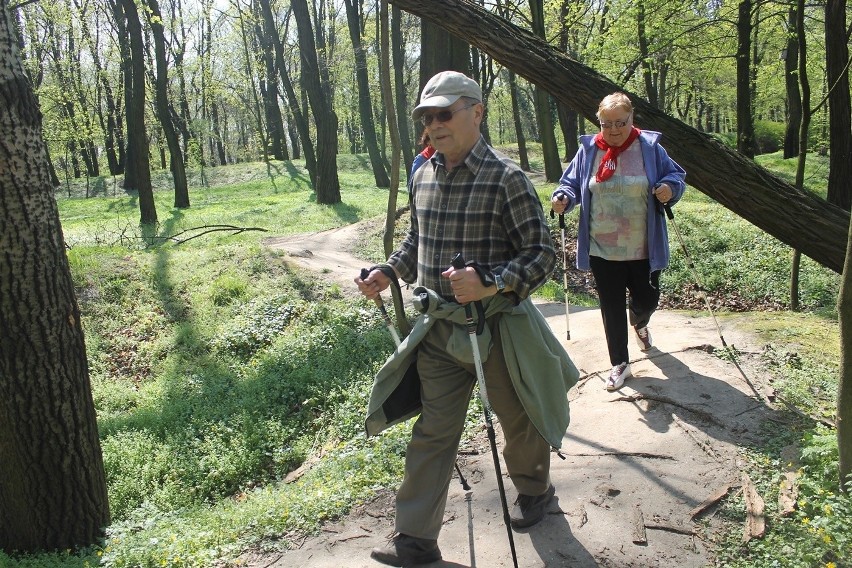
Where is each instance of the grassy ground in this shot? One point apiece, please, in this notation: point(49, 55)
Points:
point(218, 370)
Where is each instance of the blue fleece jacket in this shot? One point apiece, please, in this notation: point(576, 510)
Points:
point(659, 168)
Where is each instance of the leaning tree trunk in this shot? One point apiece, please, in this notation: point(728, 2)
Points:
point(798, 219)
point(52, 483)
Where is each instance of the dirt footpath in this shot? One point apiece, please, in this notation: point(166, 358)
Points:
point(637, 462)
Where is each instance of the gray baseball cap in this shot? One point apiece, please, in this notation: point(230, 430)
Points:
point(444, 89)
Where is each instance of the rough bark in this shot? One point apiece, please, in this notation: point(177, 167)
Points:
point(52, 482)
point(327, 184)
point(844, 389)
point(745, 116)
point(839, 119)
point(798, 219)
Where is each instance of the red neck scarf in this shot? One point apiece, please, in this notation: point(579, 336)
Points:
point(428, 151)
point(610, 158)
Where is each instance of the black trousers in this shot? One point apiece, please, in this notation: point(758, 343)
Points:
point(613, 279)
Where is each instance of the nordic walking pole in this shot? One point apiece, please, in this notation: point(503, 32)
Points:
point(381, 305)
point(458, 264)
point(703, 294)
point(564, 265)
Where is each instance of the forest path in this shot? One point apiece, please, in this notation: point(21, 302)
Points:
point(637, 461)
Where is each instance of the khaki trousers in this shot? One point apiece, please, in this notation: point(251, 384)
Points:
point(446, 386)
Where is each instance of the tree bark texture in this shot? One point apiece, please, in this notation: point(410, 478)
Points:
point(839, 120)
point(745, 118)
point(52, 484)
point(800, 220)
point(138, 169)
point(791, 84)
point(327, 184)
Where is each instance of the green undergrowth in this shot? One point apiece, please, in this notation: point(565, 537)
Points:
point(218, 369)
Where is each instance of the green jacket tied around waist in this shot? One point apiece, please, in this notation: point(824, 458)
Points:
point(541, 371)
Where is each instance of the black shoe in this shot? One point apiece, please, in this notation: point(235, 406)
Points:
point(406, 550)
point(530, 509)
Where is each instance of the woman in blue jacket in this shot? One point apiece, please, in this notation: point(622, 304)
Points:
point(621, 177)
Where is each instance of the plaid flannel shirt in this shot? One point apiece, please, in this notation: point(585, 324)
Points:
point(486, 209)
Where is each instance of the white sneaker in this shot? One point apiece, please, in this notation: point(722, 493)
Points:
point(643, 338)
point(617, 376)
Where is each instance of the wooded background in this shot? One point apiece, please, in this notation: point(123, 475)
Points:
point(127, 85)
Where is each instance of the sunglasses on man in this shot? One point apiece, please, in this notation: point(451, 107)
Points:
point(442, 116)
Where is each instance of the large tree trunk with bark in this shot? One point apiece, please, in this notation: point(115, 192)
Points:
point(745, 117)
point(543, 114)
point(52, 483)
point(327, 184)
point(791, 85)
point(839, 121)
point(138, 169)
point(798, 219)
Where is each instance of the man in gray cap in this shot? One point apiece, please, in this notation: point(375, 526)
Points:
point(470, 199)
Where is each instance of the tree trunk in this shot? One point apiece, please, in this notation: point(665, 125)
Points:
point(402, 117)
point(543, 114)
point(269, 92)
point(327, 184)
point(645, 57)
point(292, 98)
point(839, 106)
point(524, 160)
point(804, 127)
point(390, 216)
point(365, 104)
point(138, 161)
point(745, 116)
point(53, 492)
point(164, 109)
point(791, 83)
point(798, 219)
point(844, 389)
point(440, 51)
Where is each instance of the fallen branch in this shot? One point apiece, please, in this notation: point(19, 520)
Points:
point(639, 534)
point(626, 454)
point(755, 525)
point(206, 229)
point(710, 501)
point(669, 528)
